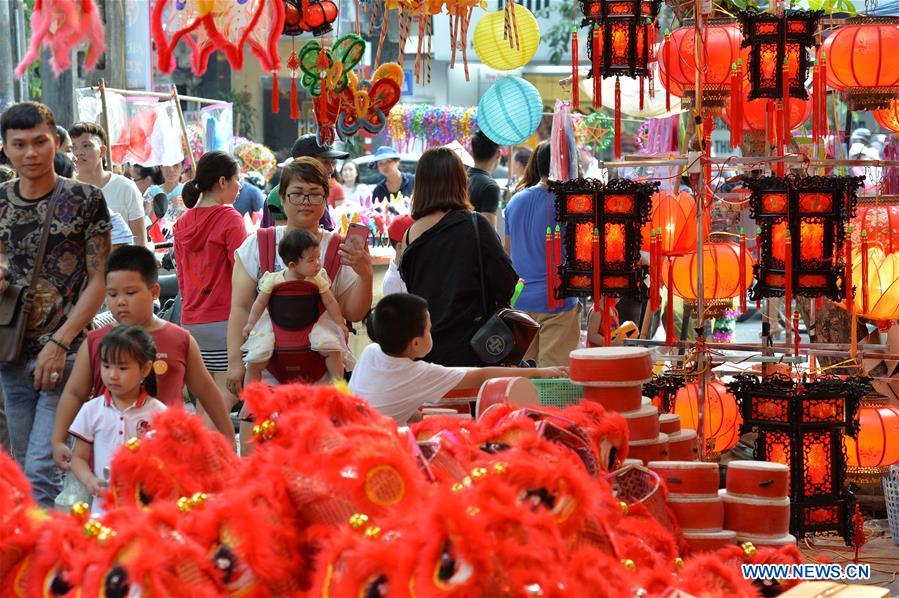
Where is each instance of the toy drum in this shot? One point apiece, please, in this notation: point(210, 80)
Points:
point(682, 446)
point(709, 541)
point(698, 512)
point(758, 478)
point(643, 423)
point(459, 395)
point(611, 364)
point(669, 423)
point(630, 461)
point(688, 477)
point(756, 516)
point(654, 449)
point(516, 391)
point(767, 541)
point(616, 398)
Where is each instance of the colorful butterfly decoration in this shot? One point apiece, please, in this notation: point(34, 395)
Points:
point(331, 65)
point(366, 104)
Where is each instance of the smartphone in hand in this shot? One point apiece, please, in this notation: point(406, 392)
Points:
point(359, 234)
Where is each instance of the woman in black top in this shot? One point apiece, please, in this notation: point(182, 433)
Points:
point(440, 262)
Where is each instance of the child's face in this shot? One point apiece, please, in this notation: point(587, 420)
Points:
point(123, 376)
point(129, 299)
point(310, 263)
point(423, 344)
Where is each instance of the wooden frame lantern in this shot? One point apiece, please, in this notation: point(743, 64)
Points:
point(802, 425)
point(801, 231)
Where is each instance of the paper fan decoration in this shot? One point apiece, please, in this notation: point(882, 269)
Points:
point(258, 157)
point(210, 25)
point(60, 26)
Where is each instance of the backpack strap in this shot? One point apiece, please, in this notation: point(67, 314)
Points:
point(332, 259)
point(266, 241)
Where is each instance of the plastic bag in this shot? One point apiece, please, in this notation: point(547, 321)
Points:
point(73, 491)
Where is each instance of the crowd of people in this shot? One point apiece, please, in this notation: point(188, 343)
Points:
point(246, 287)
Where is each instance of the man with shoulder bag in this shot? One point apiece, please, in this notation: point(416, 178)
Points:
point(54, 240)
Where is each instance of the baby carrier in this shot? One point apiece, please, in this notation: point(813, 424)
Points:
point(294, 308)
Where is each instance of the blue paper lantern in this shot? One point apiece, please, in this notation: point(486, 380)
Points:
point(510, 111)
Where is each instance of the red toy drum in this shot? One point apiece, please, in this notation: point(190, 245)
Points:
point(709, 541)
point(611, 364)
point(756, 516)
point(654, 449)
point(643, 423)
point(682, 446)
point(616, 398)
point(688, 477)
point(669, 423)
point(630, 461)
point(517, 391)
point(698, 512)
point(767, 541)
point(758, 478)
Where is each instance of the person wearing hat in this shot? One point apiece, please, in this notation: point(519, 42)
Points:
point(387, 161)
point(307, 146)
point(393, 282)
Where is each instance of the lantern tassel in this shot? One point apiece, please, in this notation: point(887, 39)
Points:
point(276, 99)
point(742, 270)
point(847, 277)
point(557, 262)
point(785, 78)
point(294, 105)
point(822, 100)
point(666, 55)
point(642, 81)
point(575, 93)
point(864, 271)
point(708, 126)
point(816, 104)
point(670, 339)
point(597, 293)
point(796, 337)
point(597, 67)
point(617, 118)
point(654, 298)
point(550, 254)
point(769, 121)
point(606, 320)
point(788, 277)
point(736, 106)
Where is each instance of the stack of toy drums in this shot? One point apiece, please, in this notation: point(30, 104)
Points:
point(756, 505)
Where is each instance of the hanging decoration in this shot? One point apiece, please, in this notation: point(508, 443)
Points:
point(510, 111)
point(505, 50)
point(620, 43)
point(364, 105)
point(601, 235)
point(257, 157)
point(888, 117)
point(726, 273)
point(754, 113)
point(801, 221)
point(60, 27)
point(801, 425)
point(225, 26)
point(875, 277)
point(860, 62)
point(721, 418)
point(881, 225)
point(309, 16)
point(593, 130)
point(430, 125)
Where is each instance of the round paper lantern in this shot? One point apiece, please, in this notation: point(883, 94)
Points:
point(861, 64)
point(878, 435)
point(882, 285)
point(722, 49)
point(881, 224)
point(721, 272)
point(888, 118)
point(755, 112)
point(721, 416)
point(510, 111)
point(504, 54)
point(675, 215)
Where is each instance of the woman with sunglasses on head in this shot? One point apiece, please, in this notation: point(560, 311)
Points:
point(303, 193)
point(205, 239)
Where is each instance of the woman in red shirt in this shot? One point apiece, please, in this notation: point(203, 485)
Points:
point(205, 239)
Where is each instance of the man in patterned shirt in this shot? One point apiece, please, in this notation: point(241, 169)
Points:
point(70, 287)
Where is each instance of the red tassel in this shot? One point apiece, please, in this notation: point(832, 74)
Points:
point(821, 102)
point(788, 277)
point(641, 93)
point(276, 94)
point(742, 270)
point(575, 92)
point(654, 297)
point(294, 105)
point(670, 339)
point(550, 297)
point(606, 320)
point(667, 56)
point(597, 67)
point(847, 277)
point(796, 337)
point(597, 292)
point(323, 102)
point(557, 261)
point(736, 105)
point(769, 121)
point(617, 118)
point(785, 78)
point(819, 303)
point(864, 271)
point(816, 106)
point(708, 126)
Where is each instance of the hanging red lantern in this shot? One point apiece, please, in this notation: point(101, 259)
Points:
point(876, 282)
point(881, 223)
point(677, 61)
point(888, 118)
point(675, 217)
point(860, 63)
point(721, 416)
point(755, 112)
point(721, 273)
point(878, 435)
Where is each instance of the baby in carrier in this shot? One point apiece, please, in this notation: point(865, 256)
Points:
point(300, 251)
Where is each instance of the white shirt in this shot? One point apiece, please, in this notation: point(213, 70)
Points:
point(393, 281)
point(121, 232)
point(248, 254)
point(122, 196)
point(398, 386)
point(101, 424)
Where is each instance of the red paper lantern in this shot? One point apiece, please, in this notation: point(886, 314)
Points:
point(876, 285)
point(675, 217)
point(860, 61)
point(888, 118)
point(677, 63)
point(721, 273)
point(755, 112)
point(881, 223)
point(878, 435)
point(721, 417)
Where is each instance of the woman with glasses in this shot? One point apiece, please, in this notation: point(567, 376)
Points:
point(303, 193)
point(205, 239)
